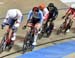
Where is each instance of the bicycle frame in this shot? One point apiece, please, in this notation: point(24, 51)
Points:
point(65, 26)
point(6, 40)
point(9, 34)
point(29, 39)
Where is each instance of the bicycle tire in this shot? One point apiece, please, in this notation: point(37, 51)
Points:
point(40, 35)
point(24, 47)
point(27, 43)
point(3, 46)
point(10, 46)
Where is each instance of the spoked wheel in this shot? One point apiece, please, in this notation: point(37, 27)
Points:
point(3, 45)
point(59, 31)
point(40, 35)
point(43, 32)
point(27, 46)
point(24, 47)
point(27, 43)
point(61, 28)
point(10, 46)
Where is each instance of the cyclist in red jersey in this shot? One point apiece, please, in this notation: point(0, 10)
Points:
point(70, 14)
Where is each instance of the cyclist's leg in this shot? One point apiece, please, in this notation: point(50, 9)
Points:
point(13, 34)
point(10, 24)
point(49, 29)
point(51, 24)
point(68, 27)
point(37, 26)
point(45, 25)
point(51, 21)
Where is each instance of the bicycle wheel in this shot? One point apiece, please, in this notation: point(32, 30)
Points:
point(31, 39)
point(43, 31)
point(10, 45)
point(61, 28)
point(28, 43)
point(3, 44)
point(40, 35)
point(25, 43)
point(58, 31)
point(24, 47)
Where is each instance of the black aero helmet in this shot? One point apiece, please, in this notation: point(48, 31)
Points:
point(51, 5)
point(36, 9)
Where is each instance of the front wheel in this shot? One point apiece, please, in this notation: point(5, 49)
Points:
point(27, 43)
point(59, 31)
point(24, 47)
point(3, 44)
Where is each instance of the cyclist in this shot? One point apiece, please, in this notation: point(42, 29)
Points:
point(35, 17)
point(70, 14)
point(13, 19)
point(53, 12)
point(45, 12)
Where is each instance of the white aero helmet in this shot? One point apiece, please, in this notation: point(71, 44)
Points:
point(12, 13)
point(73, 6)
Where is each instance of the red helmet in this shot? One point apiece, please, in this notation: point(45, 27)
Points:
point(36, 9)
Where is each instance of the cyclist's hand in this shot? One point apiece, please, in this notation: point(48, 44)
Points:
point(24, 27)
point(63, 17)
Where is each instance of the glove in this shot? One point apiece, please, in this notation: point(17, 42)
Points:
point(2, 26)
point(63, 17)
point(24, 27)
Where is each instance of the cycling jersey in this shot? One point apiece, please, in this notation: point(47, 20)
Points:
point(38, 17)
point(53, 13)
point(71, 11)
point(45, 13)
point(11, 21)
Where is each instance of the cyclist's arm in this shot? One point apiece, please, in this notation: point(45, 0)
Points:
point(29, 17)
point(55, 14)
point(19, 19)
point(41, 17)
point(5, 20)
point(46, 13)
point(67, 13)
